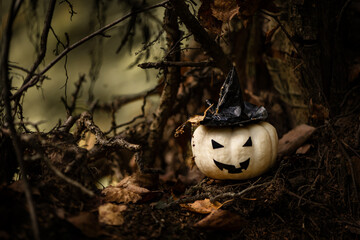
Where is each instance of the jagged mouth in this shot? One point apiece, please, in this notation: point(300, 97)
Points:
point(231, 168)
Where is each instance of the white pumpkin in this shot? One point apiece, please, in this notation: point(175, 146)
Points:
point(235, 152)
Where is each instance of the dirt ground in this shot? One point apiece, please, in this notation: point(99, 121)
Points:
point(306, 196)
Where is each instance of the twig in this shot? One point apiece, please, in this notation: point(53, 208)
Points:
point(164, 64)
point(114, 127)
point(101, 31)
point(348, 146)
point(6, 84)
point(59, 42)
point(123, 100)
point(239, 194)
point(346, 155)
point(188, 200)
point(85, 122)
point(301, 198)
point(119, 101)
point(70, 109)
point(43, 41)
point(35, 125)
point(168, 95)
point(71, 11)
point(217, 197)
point(200, 34)
point(70, 121)
point(20, 68)
point(176, 45)
point(275, 17)
point(68, 180)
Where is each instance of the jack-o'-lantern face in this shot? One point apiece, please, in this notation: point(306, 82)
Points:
point(231, 168)
point(235, 153)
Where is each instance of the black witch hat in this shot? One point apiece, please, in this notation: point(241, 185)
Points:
point(231, 110)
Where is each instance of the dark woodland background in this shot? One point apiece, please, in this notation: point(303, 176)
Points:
point(93, 92)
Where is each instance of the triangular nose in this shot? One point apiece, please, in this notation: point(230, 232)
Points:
point(248, 143)
point(215, 144)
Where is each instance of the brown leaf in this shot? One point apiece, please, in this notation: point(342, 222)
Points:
point(127, 191)
point(111, 214)
point(202, 206)
point(222, 220)
point(224, 10)
point(294, 139)
point(87, 223)
point(207, 20)
point(303, 149)
point(120, 195)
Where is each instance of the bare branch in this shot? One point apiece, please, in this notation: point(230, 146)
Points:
point(200, 34)
point(168, 95)
point(70, 121)
point(275, 17)
point(68, 180)
point(43, 41)
point(86, 122)
point(70, 109)
point(164, 64)
point(6, 87)
point(101, 31)
point(120, 101)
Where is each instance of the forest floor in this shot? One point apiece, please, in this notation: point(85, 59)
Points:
point(308, 195)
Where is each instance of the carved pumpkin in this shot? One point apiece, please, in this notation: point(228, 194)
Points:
point(235, 152)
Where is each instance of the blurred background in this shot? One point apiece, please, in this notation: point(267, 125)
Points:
point(115, 73)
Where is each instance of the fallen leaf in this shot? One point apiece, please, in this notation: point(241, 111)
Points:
point(111, 214)
point(294, 139)
point(87, 223)
point(222, 220)
point(120, 195)
point(128, 192)
point(202, 206)
point(303, 149)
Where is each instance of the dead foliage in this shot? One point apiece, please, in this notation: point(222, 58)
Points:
point(155, 190)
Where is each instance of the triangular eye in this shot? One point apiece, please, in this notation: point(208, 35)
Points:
point(215, 144)
point(248, 143)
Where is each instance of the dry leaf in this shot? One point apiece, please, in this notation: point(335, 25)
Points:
point(224, 10)
point(111, 214)
point(127, 191)
point(294, 139)
point(222, 220)
point(207, 20)
point(87, 223)
point(120, 195)
point(202, 206)
point(303, 149)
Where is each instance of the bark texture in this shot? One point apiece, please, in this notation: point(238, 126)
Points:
point(171, 85)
